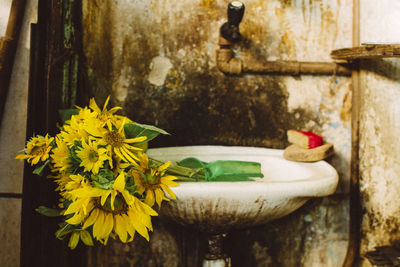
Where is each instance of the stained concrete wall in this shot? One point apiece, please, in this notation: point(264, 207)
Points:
point(157, 60)
point(379, 150)
point(12, 137)
point(379, 132)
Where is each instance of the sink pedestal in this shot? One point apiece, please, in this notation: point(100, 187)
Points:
point(215, 255)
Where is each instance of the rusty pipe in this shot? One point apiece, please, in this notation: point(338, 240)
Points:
point(227, 63)
point(295, 67)
point(231, 65)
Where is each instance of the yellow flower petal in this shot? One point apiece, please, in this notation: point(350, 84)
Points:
point(169, 191)
point(93, 105)
point(118, 153)
point(120, 228)
point(119, 183)
point(106, 103)
point(164, 166)
point(136, 139)
point(76, 219)
point(86, 238)
point(108, 225)
point(166, 180)
point(159, 196)
point(136, 223)
point(21, 156)
point(74, 207)
point(145, 208)
point(129, 199)
point(113, 195)
point(128, 155)
point(91, 219)
point(147, 222)
point(149, 200)
point(129, 227)
point(104, 196)
point(73, 240)
point(98, 226)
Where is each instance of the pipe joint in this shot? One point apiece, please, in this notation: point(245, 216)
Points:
point(227, 63)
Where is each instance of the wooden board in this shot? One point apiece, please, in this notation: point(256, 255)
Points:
point(367, 51)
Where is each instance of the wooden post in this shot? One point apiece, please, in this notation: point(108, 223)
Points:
point(353, 249)
point(8, 49)
point(52, 85)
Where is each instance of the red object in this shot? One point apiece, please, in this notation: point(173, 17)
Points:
point(305, 139)
point(314, 140)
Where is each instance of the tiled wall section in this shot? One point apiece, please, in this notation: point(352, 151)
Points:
point(12, 138)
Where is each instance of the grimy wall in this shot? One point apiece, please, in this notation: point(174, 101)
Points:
point(157, 60)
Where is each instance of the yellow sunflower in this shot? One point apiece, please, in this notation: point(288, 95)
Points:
point(84, 114)
point(61, 178)
point(105, 115)
point(110, 211)
point(60, 156)
point(92, 156)
point(74, 130)
point(74, 182)
point(37, 149)
point(153, 181)
point(114, 139)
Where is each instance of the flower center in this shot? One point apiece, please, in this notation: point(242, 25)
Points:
point(93, 156)
point(152, 179)
point(114, 138)
point(38, 150)
point(119, 205)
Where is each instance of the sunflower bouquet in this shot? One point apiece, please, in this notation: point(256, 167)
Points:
point(108, 186)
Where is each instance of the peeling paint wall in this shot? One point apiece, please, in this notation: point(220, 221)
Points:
point(379, 131)
point(379, 153)
point(157, 60)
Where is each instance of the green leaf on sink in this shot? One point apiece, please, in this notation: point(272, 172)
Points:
point(192, 163)
point(225, 170)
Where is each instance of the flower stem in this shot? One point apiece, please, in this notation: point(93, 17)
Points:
point(183, 173)
point(186, 179)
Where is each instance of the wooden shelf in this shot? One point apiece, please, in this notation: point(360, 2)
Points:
point(367, 51)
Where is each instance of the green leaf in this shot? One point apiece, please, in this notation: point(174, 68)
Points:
point(230, 170)
point(225, 170)
point(64, 230)
point(40, 169)
point(133, 130)
point(104, 179)
point(192, 163)
point(66, 114)
point(49, 212)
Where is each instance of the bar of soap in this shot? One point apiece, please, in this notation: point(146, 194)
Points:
point(304, 139)
point(297, 153)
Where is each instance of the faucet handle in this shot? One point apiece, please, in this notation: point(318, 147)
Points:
point(235, 12)
point(230, 30)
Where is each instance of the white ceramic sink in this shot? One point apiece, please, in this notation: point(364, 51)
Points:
point(218, 207)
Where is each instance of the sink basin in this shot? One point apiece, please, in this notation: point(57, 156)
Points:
point(217, 207)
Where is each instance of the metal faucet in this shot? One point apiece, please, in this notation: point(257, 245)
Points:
point(230, 29)
point(231, 65)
